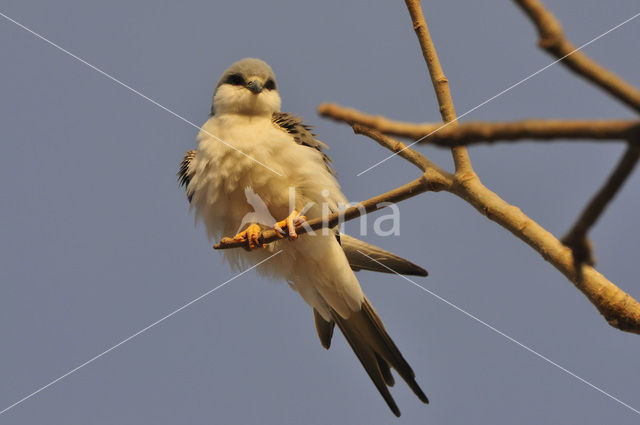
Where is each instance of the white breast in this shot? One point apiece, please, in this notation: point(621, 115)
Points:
point(313, 265)
point(222, 173)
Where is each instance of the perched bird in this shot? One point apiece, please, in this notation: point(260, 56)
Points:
point(249, 149)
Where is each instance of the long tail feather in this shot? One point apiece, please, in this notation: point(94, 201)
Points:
point(377, 352)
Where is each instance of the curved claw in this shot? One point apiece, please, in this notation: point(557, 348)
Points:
point(251, 235)
point(290, 224)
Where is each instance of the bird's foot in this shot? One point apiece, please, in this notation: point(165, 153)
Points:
point(251, 235)
point(290, 224)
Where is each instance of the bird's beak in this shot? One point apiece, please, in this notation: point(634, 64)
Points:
point(254, 86)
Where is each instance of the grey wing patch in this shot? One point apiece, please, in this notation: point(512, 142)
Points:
point(184, 174)
point(376, 258)
point(301, 134)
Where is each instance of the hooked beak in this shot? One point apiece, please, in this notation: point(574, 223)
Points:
point(254, 86)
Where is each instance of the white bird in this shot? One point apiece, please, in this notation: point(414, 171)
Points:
point(249, 146)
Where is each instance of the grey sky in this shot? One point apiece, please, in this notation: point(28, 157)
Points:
point(97, 240)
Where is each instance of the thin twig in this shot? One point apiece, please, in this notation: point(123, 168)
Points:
point(576, 238)
point(440, 82)
point(552, 40)
point(444, 179)
point(478, 132)
point(407, 191)
point(434, 179)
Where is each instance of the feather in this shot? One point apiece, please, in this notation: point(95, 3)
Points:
point(353, 249)
point(377, 352)
point(324, 329)
point(249, 147)
point(301, 134)
point(185, 174)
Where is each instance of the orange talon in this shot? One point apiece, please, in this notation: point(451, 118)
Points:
point(290, 223)
point(251, 235)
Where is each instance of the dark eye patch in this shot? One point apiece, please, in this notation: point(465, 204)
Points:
point(235, 80)
point(270, 84)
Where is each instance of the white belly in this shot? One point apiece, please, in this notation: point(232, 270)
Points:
point(265, 159)
point(222, 174)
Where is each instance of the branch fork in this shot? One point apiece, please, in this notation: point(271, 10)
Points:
point(573, 257)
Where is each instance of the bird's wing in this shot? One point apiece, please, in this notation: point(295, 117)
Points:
point(377, 352)
point(301, 133)
point(354, 249)
point(185, 173)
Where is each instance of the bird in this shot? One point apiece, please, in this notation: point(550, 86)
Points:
point(249, 147)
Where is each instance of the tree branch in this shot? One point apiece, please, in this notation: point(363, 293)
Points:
point(488, 132)
point(440, 82)
point(407, 191)
point(443, 178)
point(619, 308)
point(576, 238)
point(552, 40)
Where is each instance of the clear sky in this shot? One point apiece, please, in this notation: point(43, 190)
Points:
point(98, 242)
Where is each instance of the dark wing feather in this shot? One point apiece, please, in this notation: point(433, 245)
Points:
point(364, 256)
point(184, 174)
point(301, 134)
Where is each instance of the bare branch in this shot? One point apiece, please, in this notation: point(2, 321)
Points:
point(576, 239)
point(488, 132)
point(407, 191)
point(619, 308)
point(552, 40)
point(439, 80)
point(444, 178)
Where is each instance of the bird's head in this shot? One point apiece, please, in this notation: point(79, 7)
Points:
point(247, 87)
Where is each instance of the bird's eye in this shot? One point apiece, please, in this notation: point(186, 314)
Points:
point(235, 80)
point(270, 84)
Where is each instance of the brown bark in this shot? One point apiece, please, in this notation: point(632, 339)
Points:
point(619, 308)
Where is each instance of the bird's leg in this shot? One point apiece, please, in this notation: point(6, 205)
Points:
point(251, 235)
point(290, 223)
